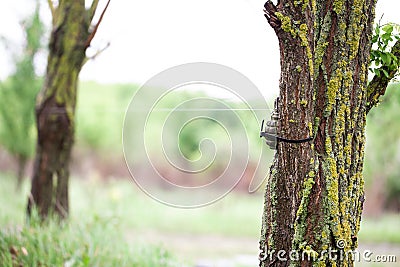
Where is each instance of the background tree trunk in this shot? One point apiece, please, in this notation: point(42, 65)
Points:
point(314, 196)
point(17, 98)
point(21, 160)
point(55, 109)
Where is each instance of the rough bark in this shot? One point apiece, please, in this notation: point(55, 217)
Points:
point(314, 196)
point(55, 109)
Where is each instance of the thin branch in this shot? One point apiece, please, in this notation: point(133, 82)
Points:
point(96, 54)
point(377, 87)
point(92, 9)
point(52, 9)
point(93, 32)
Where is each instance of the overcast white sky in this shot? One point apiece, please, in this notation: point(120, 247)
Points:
point(149, 36)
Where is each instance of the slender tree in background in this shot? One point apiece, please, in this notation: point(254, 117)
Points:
point(315, 192)
point(17, 99)
point(72, 32)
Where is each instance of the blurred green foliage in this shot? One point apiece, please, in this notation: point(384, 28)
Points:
point(18, 93)
point(100, 114)
point(101, 109)
point(382, 158)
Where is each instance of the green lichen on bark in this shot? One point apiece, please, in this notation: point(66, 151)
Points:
point(305, 3)
point(67, 54)
point(267, 245)
point(344, 185)
point(303, 34)
point(300, 32)
point(301, 214)
point(273, 198)
point(356, 27)
point(331, 92)
point(338, 6)
point(332, 186)
point(286, 23)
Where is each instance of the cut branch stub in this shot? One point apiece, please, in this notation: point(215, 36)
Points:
point(273, 20)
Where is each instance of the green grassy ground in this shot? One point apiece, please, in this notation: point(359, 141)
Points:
point(112, 224)
point(92, 237)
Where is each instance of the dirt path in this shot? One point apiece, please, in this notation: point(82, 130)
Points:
point(221, 251)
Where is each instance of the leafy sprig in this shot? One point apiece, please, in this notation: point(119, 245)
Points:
point(383, 61)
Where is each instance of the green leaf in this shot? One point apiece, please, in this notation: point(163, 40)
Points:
point(375, 54)
point(387, 60)
point(386, 73)
point(388, 28)
point(387, 37)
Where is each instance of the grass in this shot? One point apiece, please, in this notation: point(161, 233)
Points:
point(384, 229)
point(87, 239)
point(95, 242)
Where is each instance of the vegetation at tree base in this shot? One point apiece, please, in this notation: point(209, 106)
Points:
point(93, 241)
point(17, 98)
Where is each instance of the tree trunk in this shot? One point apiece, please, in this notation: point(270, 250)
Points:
point(21, 160)
point(314, 196)
point(55, 109)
